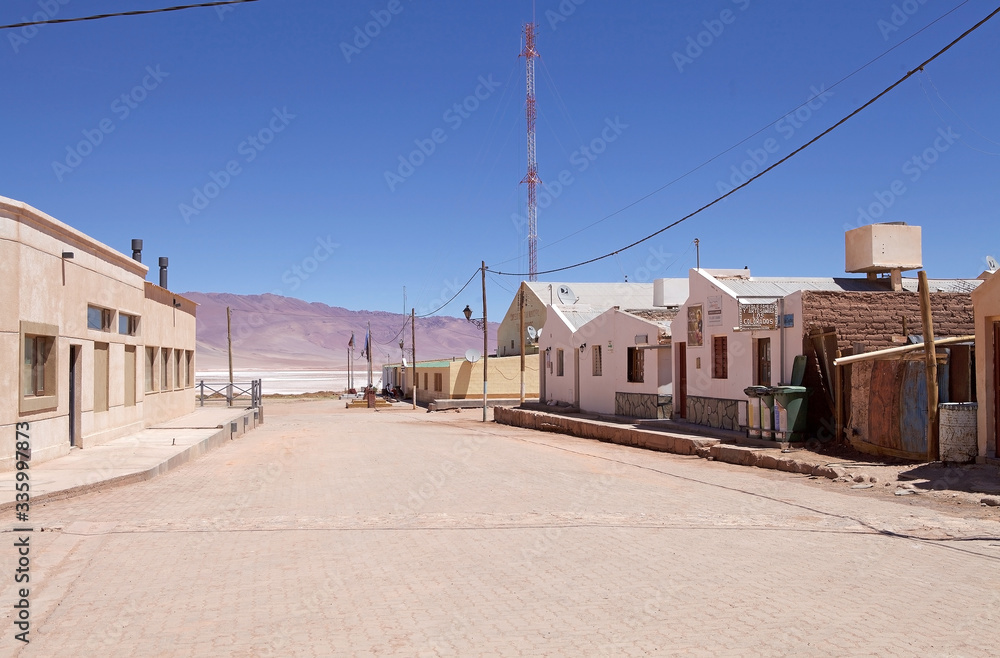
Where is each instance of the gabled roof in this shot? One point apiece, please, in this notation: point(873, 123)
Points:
point(782, 286)
point(597, 295)
point(577, 315)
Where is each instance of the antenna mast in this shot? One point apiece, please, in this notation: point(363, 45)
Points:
point(531, 178)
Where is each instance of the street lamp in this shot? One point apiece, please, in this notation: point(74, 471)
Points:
point(479, 322)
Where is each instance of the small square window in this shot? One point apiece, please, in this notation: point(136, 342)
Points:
point(128, 325)
point(99, 319)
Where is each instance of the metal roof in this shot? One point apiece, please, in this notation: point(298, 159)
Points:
point(780, 287)
point(597, 295)
point(578, 315)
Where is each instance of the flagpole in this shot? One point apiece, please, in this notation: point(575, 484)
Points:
point(369, 342)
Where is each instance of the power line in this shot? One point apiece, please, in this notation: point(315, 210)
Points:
point(776, 164)
point(745, 139)
point(138, 12)
point(453, 296)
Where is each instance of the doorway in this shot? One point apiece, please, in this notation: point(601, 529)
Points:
point(680, 410)
point(75, 395)
point(763, 362)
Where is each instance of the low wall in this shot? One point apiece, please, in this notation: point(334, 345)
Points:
point(714, 412)
point(608, 432)
point(643, 405)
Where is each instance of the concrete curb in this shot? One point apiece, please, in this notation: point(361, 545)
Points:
point(706, 448)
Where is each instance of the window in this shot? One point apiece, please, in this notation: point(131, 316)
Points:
point(178, 382)
point(720, 357)
point(39, 353)
point(636, 360)
point(597, 361)
point(559, 363)
point(437, 381)
point(128, 325)
point(164, 369)
point(99, 319)
point(425, 381)
point(130, 375)
point(150, 371)
point(38, 380)
point(190, 368)
point(101, 363)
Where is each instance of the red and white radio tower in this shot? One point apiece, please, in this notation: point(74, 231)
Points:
point(531, 178)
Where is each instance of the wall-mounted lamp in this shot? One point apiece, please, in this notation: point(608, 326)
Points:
point(177, 304)
point(67, 255)
point(583, 347)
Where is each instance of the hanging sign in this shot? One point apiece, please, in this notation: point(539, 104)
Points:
point(759, 316)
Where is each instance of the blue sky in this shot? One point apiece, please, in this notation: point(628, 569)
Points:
point(262, 148)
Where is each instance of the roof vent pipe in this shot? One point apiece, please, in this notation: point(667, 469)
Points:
point(137, 250)
point(164, 261)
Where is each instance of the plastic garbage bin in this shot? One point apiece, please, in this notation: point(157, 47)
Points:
point(767, 418)
point(754, 409)
point(790, 413)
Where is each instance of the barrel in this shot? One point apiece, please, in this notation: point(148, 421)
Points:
point(957, 431)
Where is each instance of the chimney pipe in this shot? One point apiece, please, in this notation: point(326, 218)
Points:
point(137, 250)
point(164, 261)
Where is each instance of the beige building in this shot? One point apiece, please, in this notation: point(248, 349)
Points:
point(459, 379)
point(986, 302)
point(93, 351)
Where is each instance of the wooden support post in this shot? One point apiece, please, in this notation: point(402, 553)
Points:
point(486, 345)
point(229, 340)
point(838, 393)
point(930, 353)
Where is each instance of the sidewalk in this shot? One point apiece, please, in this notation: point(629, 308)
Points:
point(896, 477)
point(133, 458)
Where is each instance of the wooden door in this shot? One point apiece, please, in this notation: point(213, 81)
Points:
point(763, 362)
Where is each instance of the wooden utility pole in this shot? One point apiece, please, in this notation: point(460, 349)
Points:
point(486, 344)
point(229, 340)
point(413, 344)
point(520, 306)
point(930, 352)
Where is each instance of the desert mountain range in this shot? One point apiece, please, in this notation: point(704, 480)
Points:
point(271, 332)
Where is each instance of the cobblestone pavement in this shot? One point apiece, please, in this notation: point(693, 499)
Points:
point(329, 532)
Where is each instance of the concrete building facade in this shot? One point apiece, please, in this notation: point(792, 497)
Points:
point(93, 351)
point(986, 302)
point(460, 379)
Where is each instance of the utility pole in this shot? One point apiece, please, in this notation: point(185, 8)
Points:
point(229, 340)
point(486, 344)
point(520, 306)
point(413, 344)
point(930, 352)
point(697, 254)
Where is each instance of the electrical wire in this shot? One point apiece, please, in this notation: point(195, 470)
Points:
point(478, 270)
point(945, 122)
point(137, 12)
point(773, 166)
point(745, 139)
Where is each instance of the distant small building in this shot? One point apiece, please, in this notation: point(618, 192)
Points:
point(986, 301)
point(459, 379)
point(92, 350)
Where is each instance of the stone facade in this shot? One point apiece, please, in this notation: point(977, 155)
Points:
point(713, 412)
point(643, 405)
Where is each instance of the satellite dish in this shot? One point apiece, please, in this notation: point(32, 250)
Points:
point(566, 296)
point(991, 264)
point(405, 364)
point(532, 333)
point(472, 356)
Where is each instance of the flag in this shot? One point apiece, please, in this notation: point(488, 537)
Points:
point(350, 343)
point(366, 352)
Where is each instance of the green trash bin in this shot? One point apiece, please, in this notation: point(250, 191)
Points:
point(790, 413)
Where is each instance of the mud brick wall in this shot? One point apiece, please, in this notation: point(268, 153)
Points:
point(874, 318)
